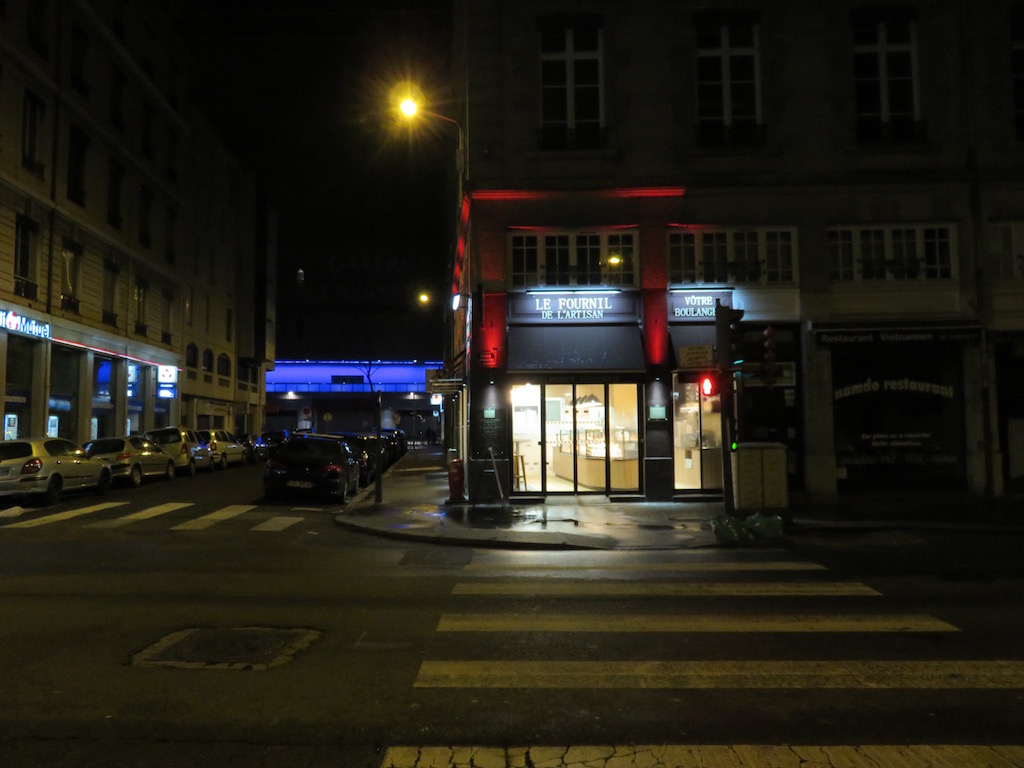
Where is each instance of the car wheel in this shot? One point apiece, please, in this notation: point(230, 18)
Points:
point(103, 484)
point(190, 468)
point(53, 490)
point(223, 463)
point(135, 476)
point(169, 474)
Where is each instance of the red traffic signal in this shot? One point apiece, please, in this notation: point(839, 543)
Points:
point(708, 385)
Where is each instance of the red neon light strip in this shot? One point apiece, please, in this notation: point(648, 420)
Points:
point(545, 194)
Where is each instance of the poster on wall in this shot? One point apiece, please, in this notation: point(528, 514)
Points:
point(898, 415)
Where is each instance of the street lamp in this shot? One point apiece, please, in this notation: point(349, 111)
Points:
point(409, 108)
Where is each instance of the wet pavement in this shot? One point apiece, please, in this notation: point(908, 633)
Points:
point(414, 505)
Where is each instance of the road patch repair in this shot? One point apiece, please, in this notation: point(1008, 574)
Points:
point(243, 648)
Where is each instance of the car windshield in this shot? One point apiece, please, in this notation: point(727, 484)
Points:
point(165, 437)
point(14, 451)
point(325, 449)
point(109, 445)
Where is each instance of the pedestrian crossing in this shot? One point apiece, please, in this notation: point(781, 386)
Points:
point(123, 515)
point(498, 596)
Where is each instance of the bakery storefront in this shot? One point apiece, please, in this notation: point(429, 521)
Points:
point(575, 381)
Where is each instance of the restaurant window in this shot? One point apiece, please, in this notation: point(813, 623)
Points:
point(891, 253)
point(26, 235)
point(732, 256)
point(573, 259)
point(886, 87)
point(33, 111)
point(571, 82)
point(728, 78)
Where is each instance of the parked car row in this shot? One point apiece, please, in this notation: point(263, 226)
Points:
point(333, 465)
point(45, 467)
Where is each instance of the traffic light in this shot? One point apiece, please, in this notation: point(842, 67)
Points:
point(708, 385)
point(727, 322)
point(770, 366)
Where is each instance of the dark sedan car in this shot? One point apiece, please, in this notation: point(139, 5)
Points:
point(312, 465)
point(366, 449)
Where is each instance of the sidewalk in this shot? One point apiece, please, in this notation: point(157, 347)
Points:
point(414, 506)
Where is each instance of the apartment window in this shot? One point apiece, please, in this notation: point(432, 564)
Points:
point(732, 256)
point(171, 233)
point(115, 195)
point(1017, 64)
point(78, 144)
point(208, 360)
point(172, 156)
point(885, 76)
point(728, 79)
point(118, 89)
point(111, 276)
point(145, 216)
point(26, 234)
point(189, 304)
point(148, 126)
point(223, 365)
point(79, 59)
point(571, 81)
point(165, 317)
point(191, 356)
point(140, 302)
point(891, 253)
point(37, 17)
point(572, 258)
point(1006, 250)
point(71, 264)
point(34, 108)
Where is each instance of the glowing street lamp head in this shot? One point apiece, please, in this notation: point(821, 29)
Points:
point(408, 107)
point(424, 298)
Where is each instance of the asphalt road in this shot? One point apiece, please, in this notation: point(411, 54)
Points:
point(191, 623)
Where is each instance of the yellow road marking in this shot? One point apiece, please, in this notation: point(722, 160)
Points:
point(509, 622)
point(145, 514)
point(656, 589)
point(277, 523)
point(703, 755)
point(742, 674)
point(225, 513)
point(70, 514)
point(711, 567)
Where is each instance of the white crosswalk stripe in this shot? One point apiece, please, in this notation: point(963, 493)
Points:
point(145, 514)
point(67, 515)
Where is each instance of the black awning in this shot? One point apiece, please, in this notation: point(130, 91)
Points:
point(575, 348)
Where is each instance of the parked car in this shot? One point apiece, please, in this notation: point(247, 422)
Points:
point(274, 438)
point(312, 465)
point(224, 447)
point(46, 467)
point(185, 446)
point(132, 458)
point(366, 449)
point(255, 447)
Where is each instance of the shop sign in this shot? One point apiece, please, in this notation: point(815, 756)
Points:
point(167, 382)
point(696, 306)
point(29, 326)
point(573, 307)
point(922, 335)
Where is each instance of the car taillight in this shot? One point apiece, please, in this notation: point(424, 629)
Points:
point(31, 466)
point(333, 468)
point(184, 448)
point(123, 456)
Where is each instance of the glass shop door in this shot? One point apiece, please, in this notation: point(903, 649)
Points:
point(697, 438)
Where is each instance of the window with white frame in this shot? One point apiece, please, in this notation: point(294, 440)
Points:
point(891, 253)
point(572, 258)
point(571, 83)
point(731, 256)
point(886, 87)
point(1006, 250)
point(71, 261)
point(728, 78)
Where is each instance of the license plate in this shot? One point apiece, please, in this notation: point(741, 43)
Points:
point(299, 484)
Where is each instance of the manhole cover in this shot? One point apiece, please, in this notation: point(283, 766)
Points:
point(253, 648)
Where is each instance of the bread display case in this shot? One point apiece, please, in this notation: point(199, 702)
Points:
point(622, 451)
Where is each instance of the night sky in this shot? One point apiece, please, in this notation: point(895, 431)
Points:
point(299, 93)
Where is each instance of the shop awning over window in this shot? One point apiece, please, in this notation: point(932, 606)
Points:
point(575, 348)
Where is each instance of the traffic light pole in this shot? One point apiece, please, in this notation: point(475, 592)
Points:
point(725, 318)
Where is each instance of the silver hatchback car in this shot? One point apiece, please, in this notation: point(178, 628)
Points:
point(45, 467)
point(132, 458)
point(188, 450)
